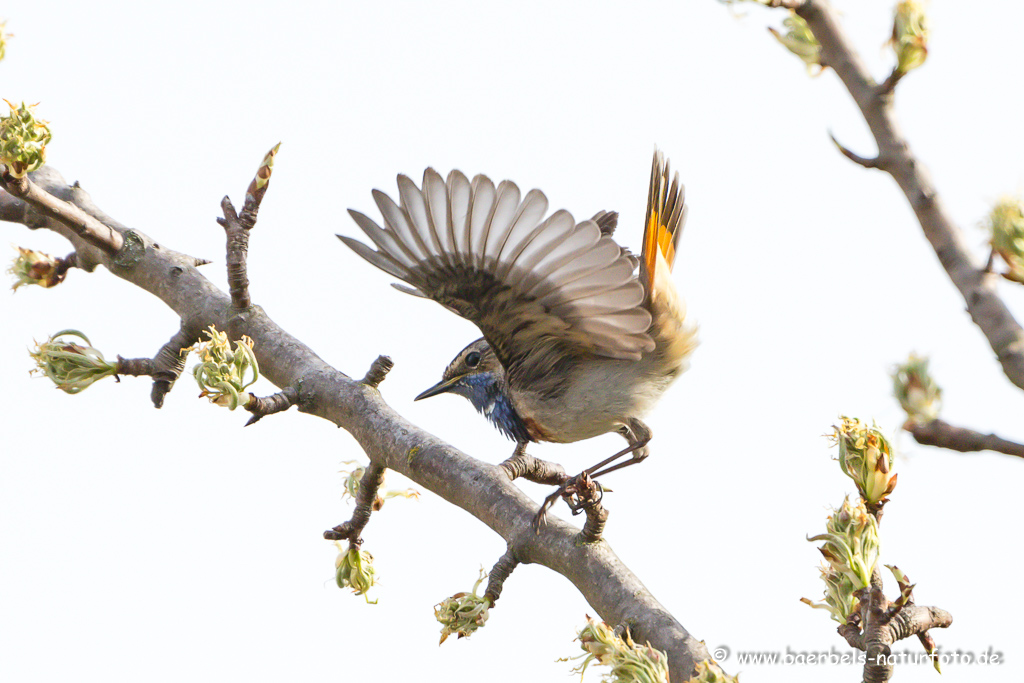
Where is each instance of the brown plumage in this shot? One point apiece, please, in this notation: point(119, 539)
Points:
point(576, 342)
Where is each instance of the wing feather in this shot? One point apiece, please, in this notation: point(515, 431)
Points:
point(602, 255)
point(396, 220)
point(480, 216)
point(499, 224)
point(379, 259)
point(459, 195)
point(415, 209)
point(522, 231)
point(550, 234)
point(489, 254)
point(385, 240)
point(435, 196)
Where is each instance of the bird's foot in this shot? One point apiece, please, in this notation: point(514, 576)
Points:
point(534, 469)
point(580, 493)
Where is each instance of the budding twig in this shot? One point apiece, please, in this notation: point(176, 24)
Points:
point(365, 499)
point(237, 227)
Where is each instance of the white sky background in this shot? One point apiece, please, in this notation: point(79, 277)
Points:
point(172, 545)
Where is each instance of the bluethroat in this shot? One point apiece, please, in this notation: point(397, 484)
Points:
point(580, 337)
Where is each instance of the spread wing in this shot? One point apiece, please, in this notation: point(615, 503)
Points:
point(529, 283)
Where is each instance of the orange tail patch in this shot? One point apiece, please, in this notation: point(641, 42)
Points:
point(665, 217)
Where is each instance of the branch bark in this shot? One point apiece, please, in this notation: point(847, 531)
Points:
point(944, 435)
point(390, 441)
point(978, 288)
point(82, 224)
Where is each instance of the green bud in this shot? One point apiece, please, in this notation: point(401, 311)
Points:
point(35, 268)
point(72, 367)
point(865, 455)
point(351, 479)
point(840, 601)
point(851, 543)
point(4, 35)
point(1006, 221)
point(629, 662)
point(223, 374)
point(351, 483)
point(916, 391)
point(463, 613)
point(799, 40)
point(909, 35)
point(353, 568)
point(709, 672)
point(23, 140)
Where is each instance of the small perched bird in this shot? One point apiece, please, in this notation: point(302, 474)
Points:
point(580, 337)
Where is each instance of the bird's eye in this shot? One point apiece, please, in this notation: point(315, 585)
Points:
point(473, 359)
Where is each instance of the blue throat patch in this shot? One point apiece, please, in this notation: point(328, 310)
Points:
point(483, 392)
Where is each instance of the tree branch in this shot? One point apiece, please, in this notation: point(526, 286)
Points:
point(944, 435)
point(82, 224)
point(237, 227)
point(391, 441)
point(366, 504)
point(261, 406)
point(987, 310)
point(499, 572)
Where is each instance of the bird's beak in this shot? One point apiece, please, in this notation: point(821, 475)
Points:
point(439, 388)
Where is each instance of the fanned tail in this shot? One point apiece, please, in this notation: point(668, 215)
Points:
point(666, 215)
point(675, 337)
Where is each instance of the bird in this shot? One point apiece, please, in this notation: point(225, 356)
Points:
point(580, 336)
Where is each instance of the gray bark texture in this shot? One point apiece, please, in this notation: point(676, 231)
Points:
point(483, 490)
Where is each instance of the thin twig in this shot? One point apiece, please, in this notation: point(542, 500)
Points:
point(866, 162)
point(169, 362)
point(237, 227)
point(260, 407)
point(379, 369)
point(521, 464)
point(597, 517)
point(499, 572)
point(888, 86)
point(366, 497)
point(165, 367)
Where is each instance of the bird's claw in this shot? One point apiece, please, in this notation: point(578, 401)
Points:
point(579, 492)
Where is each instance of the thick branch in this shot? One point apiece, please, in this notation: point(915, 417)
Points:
point(483, 490)
point(944, 435)
point(990, 314)
point(78, 221)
